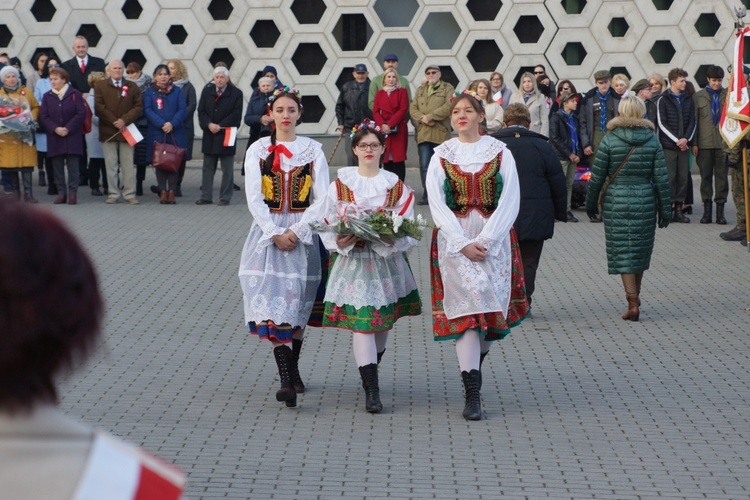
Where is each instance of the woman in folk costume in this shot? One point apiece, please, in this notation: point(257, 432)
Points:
point(280, 269)
point(478, 292)
point(370, 284)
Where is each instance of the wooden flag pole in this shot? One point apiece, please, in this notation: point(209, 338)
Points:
point(335, 148)
point(747, 197)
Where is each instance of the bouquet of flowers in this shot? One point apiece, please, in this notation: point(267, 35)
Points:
point(374, 225)
point(16, 119)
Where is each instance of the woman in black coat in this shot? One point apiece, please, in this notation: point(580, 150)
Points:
point(542, 185)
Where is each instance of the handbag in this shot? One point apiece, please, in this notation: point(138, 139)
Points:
point(612, 178)
point(166, 156)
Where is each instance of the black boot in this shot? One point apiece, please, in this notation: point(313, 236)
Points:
point(299, 386)
point(42, 179)
point(139, 188)
point(284, 359)
point(380, 355)
point(678, 215)
point(481, 360)
point(369, 374)
point(707, 209)
point(51, 183)
point(473, 406)
point(720, 219)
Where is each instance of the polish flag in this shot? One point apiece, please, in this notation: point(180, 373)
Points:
point(119, 471)
point(498, 98)
point(230, 136)
point(132, 135)
point(734, 123)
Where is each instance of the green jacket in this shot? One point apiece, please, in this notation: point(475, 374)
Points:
point(377, 83)
point(437, 109)
point(633, 198)
point(707, 134)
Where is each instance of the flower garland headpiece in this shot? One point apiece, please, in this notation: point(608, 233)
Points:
point(366, 123)
point(285, 90)
point(469, 93)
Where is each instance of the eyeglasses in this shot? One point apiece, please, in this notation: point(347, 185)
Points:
point(371, 147)
point(538, 72)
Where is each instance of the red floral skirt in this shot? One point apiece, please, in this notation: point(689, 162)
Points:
point(491, 325)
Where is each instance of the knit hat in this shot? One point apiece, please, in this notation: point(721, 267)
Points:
point(269, 69)
point(8, 69)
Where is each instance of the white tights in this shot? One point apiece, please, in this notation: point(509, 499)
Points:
point(298, 334)
point(366, 347)
point(468, 349)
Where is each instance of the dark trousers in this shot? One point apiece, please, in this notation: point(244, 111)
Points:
point(166, 180)
point(397, 167)
point(73, 163)
point(678, 173)
point(210, 162)
point(531, 252)
point(97, 169)
point(713, 175)
point(425, 150)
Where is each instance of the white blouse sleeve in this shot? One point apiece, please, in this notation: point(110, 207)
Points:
point(443, 217)
point(405, 209)
point(254, 194)
point(317, 209)
point(498, 225)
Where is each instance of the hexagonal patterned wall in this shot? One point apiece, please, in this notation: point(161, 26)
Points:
point(314, 44)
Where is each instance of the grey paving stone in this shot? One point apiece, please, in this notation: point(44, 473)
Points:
point(578, 402)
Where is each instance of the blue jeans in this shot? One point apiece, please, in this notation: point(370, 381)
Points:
point(426, 149)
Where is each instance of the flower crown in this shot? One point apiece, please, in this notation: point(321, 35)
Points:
point(469, 93)
point(285, 90)
point(366, 123)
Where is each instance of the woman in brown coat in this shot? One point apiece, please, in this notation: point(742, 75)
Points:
point(19, 111)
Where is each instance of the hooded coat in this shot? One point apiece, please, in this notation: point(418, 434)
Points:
point(638, 193)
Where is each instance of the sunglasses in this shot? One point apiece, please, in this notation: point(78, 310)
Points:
point(566, 88)
point(53, 65)
point(432, 73)
point(538, 72)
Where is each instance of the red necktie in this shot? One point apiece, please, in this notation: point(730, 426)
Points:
point(279, 149)
point(83, 66)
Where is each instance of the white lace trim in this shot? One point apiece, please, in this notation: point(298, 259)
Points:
point(303, 149)
point(462, 153)
point(367, 186)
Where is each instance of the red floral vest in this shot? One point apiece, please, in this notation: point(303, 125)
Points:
point(480, 191)
point(394, 194)
point(298, 197)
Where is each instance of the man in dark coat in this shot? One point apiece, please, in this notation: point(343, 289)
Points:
point(219, 109)
point(351, 107)
point(542, 185)
point(82, 65)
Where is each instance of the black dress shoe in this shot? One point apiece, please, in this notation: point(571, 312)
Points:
point(223, 203)
point(96, 192)
point(423, 202)
point(155, 190)
point(571, 217)
point(236, 187)
point(204, 202)
point(596, 218)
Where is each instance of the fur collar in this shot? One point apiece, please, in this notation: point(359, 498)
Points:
point(621, 121)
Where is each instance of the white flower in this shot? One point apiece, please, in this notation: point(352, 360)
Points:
point(397, 221)
point(421, 221)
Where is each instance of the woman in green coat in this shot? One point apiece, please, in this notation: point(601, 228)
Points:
point(638, 193)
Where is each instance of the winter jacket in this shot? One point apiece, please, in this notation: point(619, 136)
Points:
point(225, 111)
point(541, 180)
point(68, 112)
point(392, 109)
point(112, 104)
point(538, 110)
point(256, 108)
point(377, 84)
point(707, 134)
point(80, 80)
point(351, 107)
point(675, 122)
point(559, 135)
point(586, 114)
point(436, 108)
point(631, 201)
point(172, 110)
point(14, 153)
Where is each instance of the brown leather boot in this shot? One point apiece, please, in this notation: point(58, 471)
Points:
point(633, 312)
point(163, 197)
point(171, 198)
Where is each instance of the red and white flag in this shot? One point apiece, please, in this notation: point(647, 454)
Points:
point(230, 136)
point(132, 135)
point(118, 471)
point(734, 123)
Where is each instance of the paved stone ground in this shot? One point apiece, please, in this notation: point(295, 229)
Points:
point(578, 402)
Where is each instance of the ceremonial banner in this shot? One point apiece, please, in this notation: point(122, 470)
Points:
point(734, 123)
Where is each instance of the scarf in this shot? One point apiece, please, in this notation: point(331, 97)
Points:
point(603, 109)
point(527, 96)
point(574, 142)
point(61, 93)
point(9, 90)
point(678, 98)
point(431, 89)
point(163, 89)
point(181, 82)
point(715, 110)
point(390, 88)
point(142, 81)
